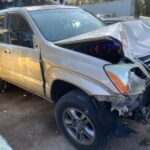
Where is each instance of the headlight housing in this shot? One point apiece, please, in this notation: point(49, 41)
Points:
point(126, 79)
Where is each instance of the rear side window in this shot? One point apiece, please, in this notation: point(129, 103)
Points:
point(20, 32)
point(3, 30)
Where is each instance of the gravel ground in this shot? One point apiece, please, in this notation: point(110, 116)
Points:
point(27, 122)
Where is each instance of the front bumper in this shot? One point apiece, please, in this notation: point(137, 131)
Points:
point(124, 104)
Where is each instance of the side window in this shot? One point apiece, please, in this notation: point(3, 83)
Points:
point(20, 32)
point(3, 31)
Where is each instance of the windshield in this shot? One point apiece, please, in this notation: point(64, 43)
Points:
point(59, 24)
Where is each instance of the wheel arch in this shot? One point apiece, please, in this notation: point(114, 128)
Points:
point(59, 88)
point(62, 81)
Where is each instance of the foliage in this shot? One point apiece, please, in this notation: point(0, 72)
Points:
point(5, 3)
point(142, 7)
point(79, 2)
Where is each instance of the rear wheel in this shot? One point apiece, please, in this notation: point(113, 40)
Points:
point(79, 121)
point(2, 85)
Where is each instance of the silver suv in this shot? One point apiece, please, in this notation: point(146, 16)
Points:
point(62, 54)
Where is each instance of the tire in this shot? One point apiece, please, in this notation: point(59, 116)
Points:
point(2, 85)
point(146, 95)
point(77, 102)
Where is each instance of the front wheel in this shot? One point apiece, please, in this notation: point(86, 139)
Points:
point(79, 121)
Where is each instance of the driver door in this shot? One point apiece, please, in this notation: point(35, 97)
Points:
point(22, 59)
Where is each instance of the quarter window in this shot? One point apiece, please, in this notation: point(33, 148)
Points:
point(2, 28)
point(20, 31)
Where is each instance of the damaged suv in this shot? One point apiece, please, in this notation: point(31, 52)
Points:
point(92, 73)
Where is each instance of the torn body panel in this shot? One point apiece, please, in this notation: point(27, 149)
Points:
point(131, 78)
point(132, 35)
point(108, 49)
point(120, 44)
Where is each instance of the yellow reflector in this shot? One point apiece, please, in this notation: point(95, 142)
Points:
point(120, 85)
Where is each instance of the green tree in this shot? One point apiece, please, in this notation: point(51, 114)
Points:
point(79, 2)
point(142, 7)
point(147, 7)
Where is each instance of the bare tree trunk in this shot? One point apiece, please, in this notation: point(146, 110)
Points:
point(137, 9)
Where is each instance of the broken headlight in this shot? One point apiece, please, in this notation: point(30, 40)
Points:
point(126, 78)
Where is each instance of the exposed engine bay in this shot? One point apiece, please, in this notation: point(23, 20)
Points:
point(108, 49)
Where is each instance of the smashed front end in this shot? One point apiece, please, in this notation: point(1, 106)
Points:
point(131, 82)
point(120, 45)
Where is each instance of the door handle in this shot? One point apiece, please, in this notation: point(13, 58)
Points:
point(7, 51)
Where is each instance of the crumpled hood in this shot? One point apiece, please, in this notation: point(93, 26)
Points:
point(134, 36)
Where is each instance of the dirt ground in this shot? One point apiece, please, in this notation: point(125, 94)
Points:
point(27, 122)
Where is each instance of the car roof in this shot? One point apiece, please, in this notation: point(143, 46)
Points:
point(33, 8)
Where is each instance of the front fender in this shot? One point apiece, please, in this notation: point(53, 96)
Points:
point(88, 85)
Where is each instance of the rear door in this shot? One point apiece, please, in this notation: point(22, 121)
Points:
point(22, 58)
point(3, 46)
